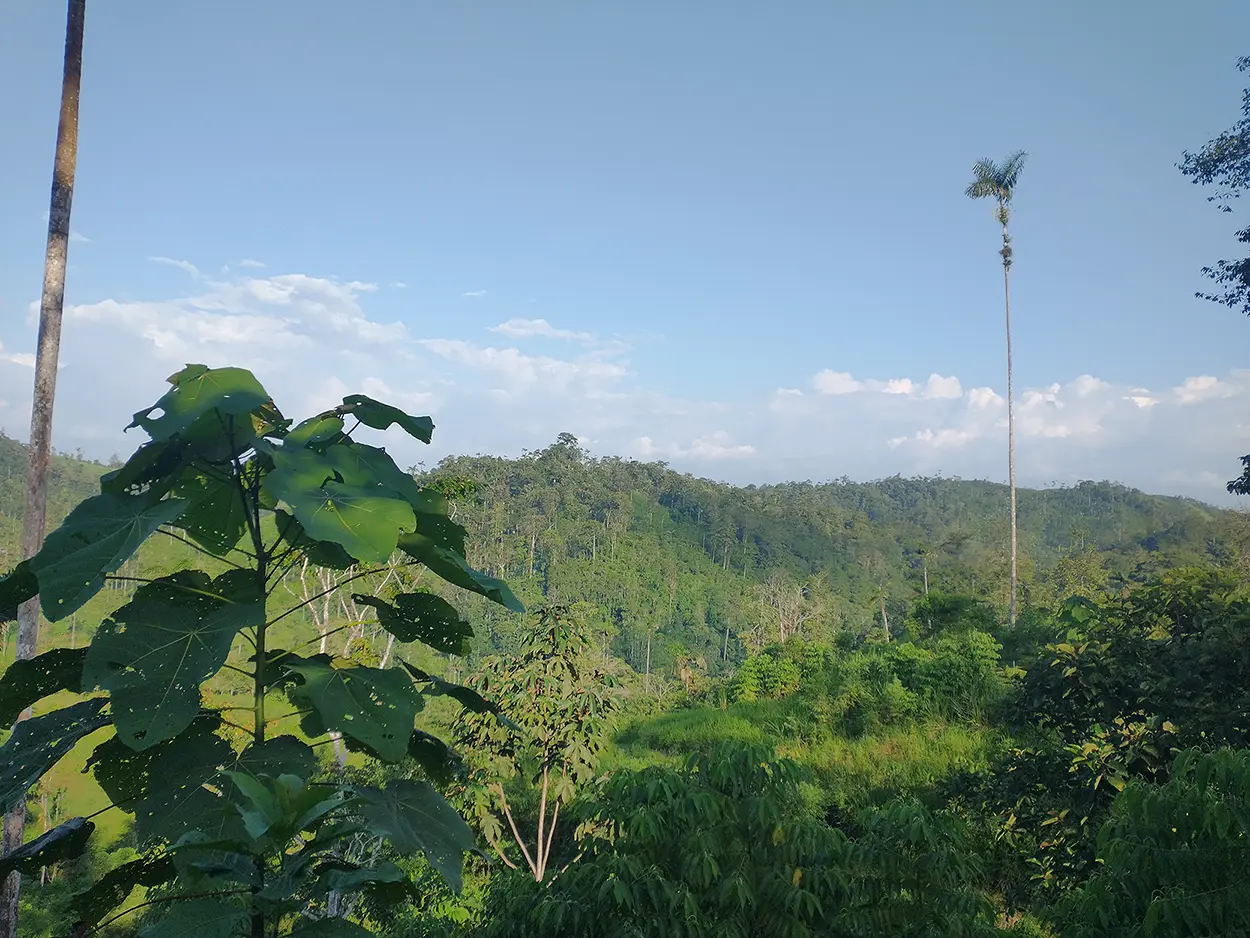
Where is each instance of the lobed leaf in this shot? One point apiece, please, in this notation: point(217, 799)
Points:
point(422, 617)
point(215, 516)
point(381, 416)
point(153, 654)
point(26, 682)
point(97, 537)
point(38, 743)
point(417, 819)
point(455, 569)
point(335, 502)
point(175, 799)
point(198, 391)
point(376, 707)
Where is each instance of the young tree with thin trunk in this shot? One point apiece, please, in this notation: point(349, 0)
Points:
point(46, 354)
point(997, 181)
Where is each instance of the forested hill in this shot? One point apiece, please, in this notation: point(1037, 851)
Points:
point(711, 569)
point(701, 572)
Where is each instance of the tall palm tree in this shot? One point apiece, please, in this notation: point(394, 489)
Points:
point(47, 352)
point(997, 181)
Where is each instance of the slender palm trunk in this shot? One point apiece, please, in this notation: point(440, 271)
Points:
point(47, 352)
point(1011, 424)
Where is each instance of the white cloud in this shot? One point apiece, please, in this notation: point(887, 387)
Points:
point(535, 328)
point(474, 293)
point(1202, 388)
point(714, 447)
point(836, 382)
point(79, 237)
point(253, 264)
point(186, 266)
point(1088, 384)
point(984, 399)
point(312, 340)
point(940, 388)
point(399, 285)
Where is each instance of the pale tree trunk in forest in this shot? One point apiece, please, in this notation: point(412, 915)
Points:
point(46, 354)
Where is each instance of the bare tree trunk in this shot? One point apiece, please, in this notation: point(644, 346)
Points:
point(1011, 423)
point(47, 352)
point(885, 619)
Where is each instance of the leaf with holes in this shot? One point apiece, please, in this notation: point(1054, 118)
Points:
point(453, 568)
point(359, 515)
point(153, 654)
point(27, 682)
point(381, 416)
point(198, 391)
point(215, 516)
point(111, 890)
point(155, 464)
point(176, 800)
point(37, 744)
point(97, 537)
point(422, 617)
point(66, 841)
point(377, 707)
point(417, 819)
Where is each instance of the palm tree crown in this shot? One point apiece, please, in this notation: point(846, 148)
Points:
point(997, 181)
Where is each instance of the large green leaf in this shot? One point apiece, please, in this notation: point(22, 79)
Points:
point(321, 553)
point(377, 707)
point(17, 586)
point(207, 917)
point(315, 432)
point(26, 682)
point(111, 889)
point(122, 772)
point(154, 465)
point(385, 883)
point(380, 416)
point(156, 651)
point(197, 391)
point(39, 743)
point(176, 800)
point(66, 841)
point(215, 516)
point(98, 537)
point(281, 755)
point(335, 502)
point(438, 760)
point(466, 696)
point(417, 819)
point(453, 568)
point(422, 617)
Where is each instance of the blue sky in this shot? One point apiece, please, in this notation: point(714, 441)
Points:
point(728, 235)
